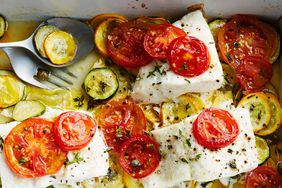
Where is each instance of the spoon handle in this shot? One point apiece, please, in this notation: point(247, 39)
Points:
point(27, 43)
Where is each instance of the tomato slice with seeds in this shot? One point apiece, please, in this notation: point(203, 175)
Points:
point(246, 35)
point(31, 150)
point(188, 56)
point(263, 176)
point(158, 38)
point(125, 44)
point(139, 156)
point(119, 120)
point(215, 128)
point(74, 130)
point(254, 73)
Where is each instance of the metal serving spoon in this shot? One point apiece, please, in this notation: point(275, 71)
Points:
point(82, 33)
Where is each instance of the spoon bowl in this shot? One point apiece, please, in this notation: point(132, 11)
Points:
point(82, 33)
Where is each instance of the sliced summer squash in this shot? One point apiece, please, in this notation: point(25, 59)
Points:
point(101, 83)
point(27, 109)
point(131, 182)
point(263, 149)
point(101, 33)
point(260, 110)
point(3, 26)
point(229, 77)
point(40, 36)
point(57, 98)
point(187, 105)
point(151, 113)
point(6, 115)
point(221, 98)
point(276, 116)
point(94, 22)
point(12, 90)
point(60, 47)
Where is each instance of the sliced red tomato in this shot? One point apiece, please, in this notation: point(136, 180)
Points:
point(188, 56)
point(119, 120)
point(125, 44)
point(74, 130)
point(31, 150)
point(246, 35)
point(215, 128)
point(158, 38)
point(139, 156)
point(263, 176)
point(254, 73)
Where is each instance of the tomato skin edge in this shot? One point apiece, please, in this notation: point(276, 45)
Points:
point(58, 125)
point(123, 163)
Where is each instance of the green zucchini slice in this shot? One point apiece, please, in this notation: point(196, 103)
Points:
point(260, 110)
point(101, 83)
point(215, 26)
point(40, 36)
point(3, 26)
point(6, 115)
point(27, 109)
point(263, 150)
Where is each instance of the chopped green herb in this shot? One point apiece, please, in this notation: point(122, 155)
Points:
point(150, 146)
point(184, 160)
point(111, 174)
point(211, 42)
point(198, 156)
point(138, 78)
point(1, 142)
point(162, 153)
point(23, 160)
point(187, 80)
point(228, 57)
point(118, 132)
point(232, 164)
point(185, 66)
point(188, 142)
point(157, 69)
point(77, 159)
point(180, 133)
point(79, 101)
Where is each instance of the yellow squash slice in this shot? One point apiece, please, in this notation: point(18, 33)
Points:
point(60, 47)
point(12, 90)
point(260, 110)
point(102, 17)
point(276, 116)
point(187, 105)
point(101, 32)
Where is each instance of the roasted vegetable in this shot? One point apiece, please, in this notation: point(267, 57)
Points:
point(27, 109)
point(12, 90)
point(3, 26)
point(101, 83)
point(40, 36)
point(260, 110)
point(263, 149)
point(60, 47)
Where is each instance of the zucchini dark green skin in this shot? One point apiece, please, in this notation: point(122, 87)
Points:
point(263, 150)
point(101, 83)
